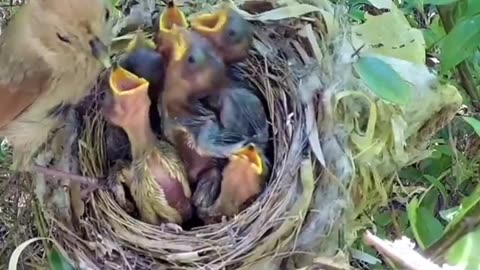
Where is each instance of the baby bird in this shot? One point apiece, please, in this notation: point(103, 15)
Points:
point(243, 179)
point(194, 71)
point(230, 33)
point(49, 56)
point(227, 121)
point(142, 59)
point(240, 133)
point(159, 184)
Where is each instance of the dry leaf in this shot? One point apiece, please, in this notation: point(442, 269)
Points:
point(292, 11)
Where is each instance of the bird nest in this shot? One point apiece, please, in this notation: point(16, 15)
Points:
point(335, 144)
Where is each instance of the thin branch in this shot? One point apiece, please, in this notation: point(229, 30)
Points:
point(56, 174)
point(400, 251)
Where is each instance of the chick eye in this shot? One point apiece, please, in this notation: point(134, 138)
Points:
point(196, 58)
point(63, 38)
point(233, 36)
point(231, 33)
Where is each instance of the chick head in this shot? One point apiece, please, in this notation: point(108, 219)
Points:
point(194, 65)
point(127, 100)
point(145, 63)
point(78, 28)
point(243, 179)
point(172, 15)
point(230, 33)
point(253, 155)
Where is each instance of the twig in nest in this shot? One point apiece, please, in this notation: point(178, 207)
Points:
point(88, 181)
point(401, 251)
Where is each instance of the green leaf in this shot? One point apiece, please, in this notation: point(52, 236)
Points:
point(444, 149)
point(434, 33)
point(15, 256)
point(357, 14)
point(465, 251)
point(402, 220)
point(436, 155)
point(383, 80)
point(449, 214)
point(383, 219)
point(429, 199)
point(58, 262)
point(438, 185)
point(412, 217)
point(466, 206)
point(365, 257)
point(436, 167)
point(472, 8)
point(460, 43)
point(474, 123)
point(438, 2)
point(426, 228)
point(411, 174)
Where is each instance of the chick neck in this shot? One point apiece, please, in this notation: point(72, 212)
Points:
point(140, 133)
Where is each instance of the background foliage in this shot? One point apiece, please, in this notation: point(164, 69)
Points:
point(436, 201)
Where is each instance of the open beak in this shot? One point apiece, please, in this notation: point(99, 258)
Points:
point(211, 22)
point(124, 83)
point(100, 51)
point(251, 154)
point(170, 17)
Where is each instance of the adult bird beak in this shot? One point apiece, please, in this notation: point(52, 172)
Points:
point(100, 51)
point(250, 153)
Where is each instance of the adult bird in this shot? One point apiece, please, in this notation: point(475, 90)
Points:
point(49, 60)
